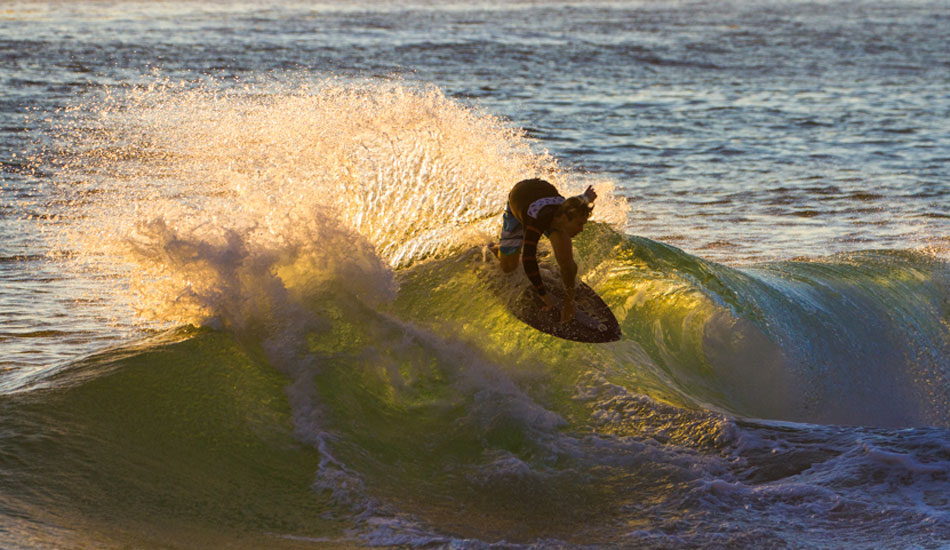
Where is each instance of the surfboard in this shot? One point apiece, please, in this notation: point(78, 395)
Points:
point(593, 321)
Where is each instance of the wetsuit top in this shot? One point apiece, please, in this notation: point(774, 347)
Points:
point(534, 203)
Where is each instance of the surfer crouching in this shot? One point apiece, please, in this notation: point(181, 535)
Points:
point(536, 208)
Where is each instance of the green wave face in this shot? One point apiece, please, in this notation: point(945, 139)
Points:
point(447, 405)
point(438, 416)
point(181, 444)
point(847, 339)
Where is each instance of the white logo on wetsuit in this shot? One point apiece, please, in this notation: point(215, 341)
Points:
point(537, 205)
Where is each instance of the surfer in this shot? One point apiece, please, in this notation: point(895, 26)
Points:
point(536, 208)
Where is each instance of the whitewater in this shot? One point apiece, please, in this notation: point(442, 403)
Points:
point(247, 301)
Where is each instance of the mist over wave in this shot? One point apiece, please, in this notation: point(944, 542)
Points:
point(204, 191)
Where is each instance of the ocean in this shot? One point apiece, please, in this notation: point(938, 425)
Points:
point(245, 301)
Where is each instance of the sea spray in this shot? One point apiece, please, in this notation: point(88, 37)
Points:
point(328, 181)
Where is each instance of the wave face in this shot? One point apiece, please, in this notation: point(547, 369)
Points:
point(437, 419)
point(358, 380)
point(850, 339)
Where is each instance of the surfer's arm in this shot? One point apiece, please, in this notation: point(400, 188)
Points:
point(529, 258)
point(564, 254)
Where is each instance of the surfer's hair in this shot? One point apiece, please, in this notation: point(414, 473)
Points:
point(574, 207)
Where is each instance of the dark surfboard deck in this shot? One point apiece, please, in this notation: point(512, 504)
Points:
point(593, 322)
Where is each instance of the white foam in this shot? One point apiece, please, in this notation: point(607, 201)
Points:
point(189, 193)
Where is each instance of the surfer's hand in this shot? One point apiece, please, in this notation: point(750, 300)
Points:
point(590, 194)
point(567, 312)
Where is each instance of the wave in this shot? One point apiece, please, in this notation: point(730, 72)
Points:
point(187, 430)
point(242, 207)
point(357, 372)
point(856, 339)
point(438, 417)
point(850, 339)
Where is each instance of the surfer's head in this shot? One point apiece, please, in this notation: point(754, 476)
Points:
point(571, 215)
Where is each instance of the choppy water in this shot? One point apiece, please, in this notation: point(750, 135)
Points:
point(243, 300)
